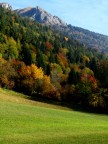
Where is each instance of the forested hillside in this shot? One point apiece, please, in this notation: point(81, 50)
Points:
point(88, 38)
point(37, 61)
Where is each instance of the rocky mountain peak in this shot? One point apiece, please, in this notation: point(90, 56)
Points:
point(6, 5)
point(41, 16)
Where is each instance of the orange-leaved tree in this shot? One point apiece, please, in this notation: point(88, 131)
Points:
point(31, 78)
point(48, 89)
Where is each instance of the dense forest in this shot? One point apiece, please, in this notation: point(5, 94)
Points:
point(41, 63)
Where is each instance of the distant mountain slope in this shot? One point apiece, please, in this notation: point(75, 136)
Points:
point(88, 38)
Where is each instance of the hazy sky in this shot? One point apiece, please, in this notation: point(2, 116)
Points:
point(88, 14)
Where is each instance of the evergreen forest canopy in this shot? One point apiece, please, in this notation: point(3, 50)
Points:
point(42, 63)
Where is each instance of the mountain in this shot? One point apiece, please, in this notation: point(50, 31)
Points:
point(6, 5)
point(88, 38)
point(41, 16)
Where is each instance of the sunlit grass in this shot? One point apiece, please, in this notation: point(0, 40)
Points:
point(23, 121)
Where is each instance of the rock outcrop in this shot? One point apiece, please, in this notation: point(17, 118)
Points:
point(6, 5)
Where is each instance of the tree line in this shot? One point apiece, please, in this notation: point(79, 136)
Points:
point(42, 63)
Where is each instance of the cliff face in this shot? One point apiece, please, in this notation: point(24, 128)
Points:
point(40, 15)
point(6, 5)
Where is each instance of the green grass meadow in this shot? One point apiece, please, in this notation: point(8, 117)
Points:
point(23, 121)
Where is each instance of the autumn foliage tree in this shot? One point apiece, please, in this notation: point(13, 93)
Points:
point(31, 77)
point(102, 72)
point(62, 60)
point(7, 74)
point(48, 45)
point(48, 89)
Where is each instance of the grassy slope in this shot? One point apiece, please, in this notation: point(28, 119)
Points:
point(23, 121)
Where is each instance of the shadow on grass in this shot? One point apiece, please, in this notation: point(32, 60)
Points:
point(69, 105)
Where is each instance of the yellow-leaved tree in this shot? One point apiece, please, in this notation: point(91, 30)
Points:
point(48, 88)
point(31, 78)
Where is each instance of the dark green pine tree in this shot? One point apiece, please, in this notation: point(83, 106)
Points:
point(73, 77)
point(26, 54)
point(41, 61)
point(93, 64)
